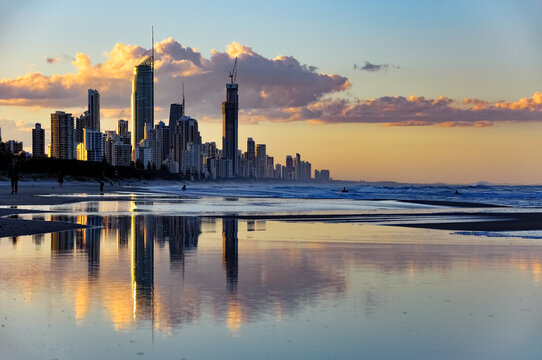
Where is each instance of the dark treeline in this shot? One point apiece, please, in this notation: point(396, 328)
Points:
point(80, 170)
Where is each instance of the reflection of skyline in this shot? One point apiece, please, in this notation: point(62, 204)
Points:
point(172, 273)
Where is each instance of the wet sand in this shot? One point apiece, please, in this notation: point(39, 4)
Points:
point(30, 193)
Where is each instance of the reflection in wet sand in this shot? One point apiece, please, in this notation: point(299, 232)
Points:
point(173, 273)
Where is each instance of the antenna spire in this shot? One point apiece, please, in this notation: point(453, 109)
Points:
point(183, 94)
point(152, 48)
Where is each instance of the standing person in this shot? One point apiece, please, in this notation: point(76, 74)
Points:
point(13, 174)
point(60, 178)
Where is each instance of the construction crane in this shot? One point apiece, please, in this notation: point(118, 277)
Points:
point(233, 73)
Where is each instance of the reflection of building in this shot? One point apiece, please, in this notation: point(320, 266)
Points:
point(62, 242)
point(183, 232)
point(37, 239)
point(92, 244)
point(142, 267)
point(230, 255)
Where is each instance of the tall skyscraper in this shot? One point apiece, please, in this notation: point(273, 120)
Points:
point(261, 160)
point(94, 109)
point(62, 136)
point(142, 99)
point(38, 141)
point(230, 109)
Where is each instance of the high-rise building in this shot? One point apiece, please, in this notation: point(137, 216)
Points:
point(93, 145)
point(13, 146)
point(62, 136)
point(261, 160)
point(185, 132)
point(38, 141)
point(289, 168)
point(142, 100)
point(176, 112)
point(297, 167)
point(230, 109)
point(251, 149)
point(122, 127)
point(321, 175)
point(94, 109)
point(163, 142)
point(81, 123)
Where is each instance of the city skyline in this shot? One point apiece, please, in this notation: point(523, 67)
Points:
point(430, 113)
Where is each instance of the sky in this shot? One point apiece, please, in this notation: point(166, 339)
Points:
point(408, 91)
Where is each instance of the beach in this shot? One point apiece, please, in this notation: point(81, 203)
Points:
point(148, 270)
point(40, 194)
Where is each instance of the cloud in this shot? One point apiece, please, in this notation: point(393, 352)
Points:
point(414, 111)
point(263, 82)
point(51, 60)
point(375, 67)
point(270, 89)
point(18, 130)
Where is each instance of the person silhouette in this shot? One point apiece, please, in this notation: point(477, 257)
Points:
point(13, 174)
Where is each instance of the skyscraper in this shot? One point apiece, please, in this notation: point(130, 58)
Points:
point(261, 160)
point(94, 109)
point(251, 146)
point(185, 131)
point(142, 99)
point(62, 136)
point(230, 109)
point(38, 141)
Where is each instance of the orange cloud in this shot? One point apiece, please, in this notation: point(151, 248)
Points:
point(265, 83)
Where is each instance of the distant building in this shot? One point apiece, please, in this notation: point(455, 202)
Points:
point(122, 154)
point(289, 168)
point(94, 109)
point(143, 154)
point(122, 127)
point(176, 112)
point(81, 123)
point(38, 141)
point(62, 136)
point(142, 100)
point(14, 147)
point(185, 132)
point(117, 152)
point(93, 145)
point(261, 161)
point(321, 176)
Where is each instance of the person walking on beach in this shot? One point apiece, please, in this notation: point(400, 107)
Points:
point(13, 174)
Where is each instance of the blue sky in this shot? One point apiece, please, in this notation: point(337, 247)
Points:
point(457, 48)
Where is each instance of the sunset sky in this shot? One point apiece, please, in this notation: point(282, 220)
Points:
point(410, 91)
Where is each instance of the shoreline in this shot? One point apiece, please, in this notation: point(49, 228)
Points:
point(31, 193)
